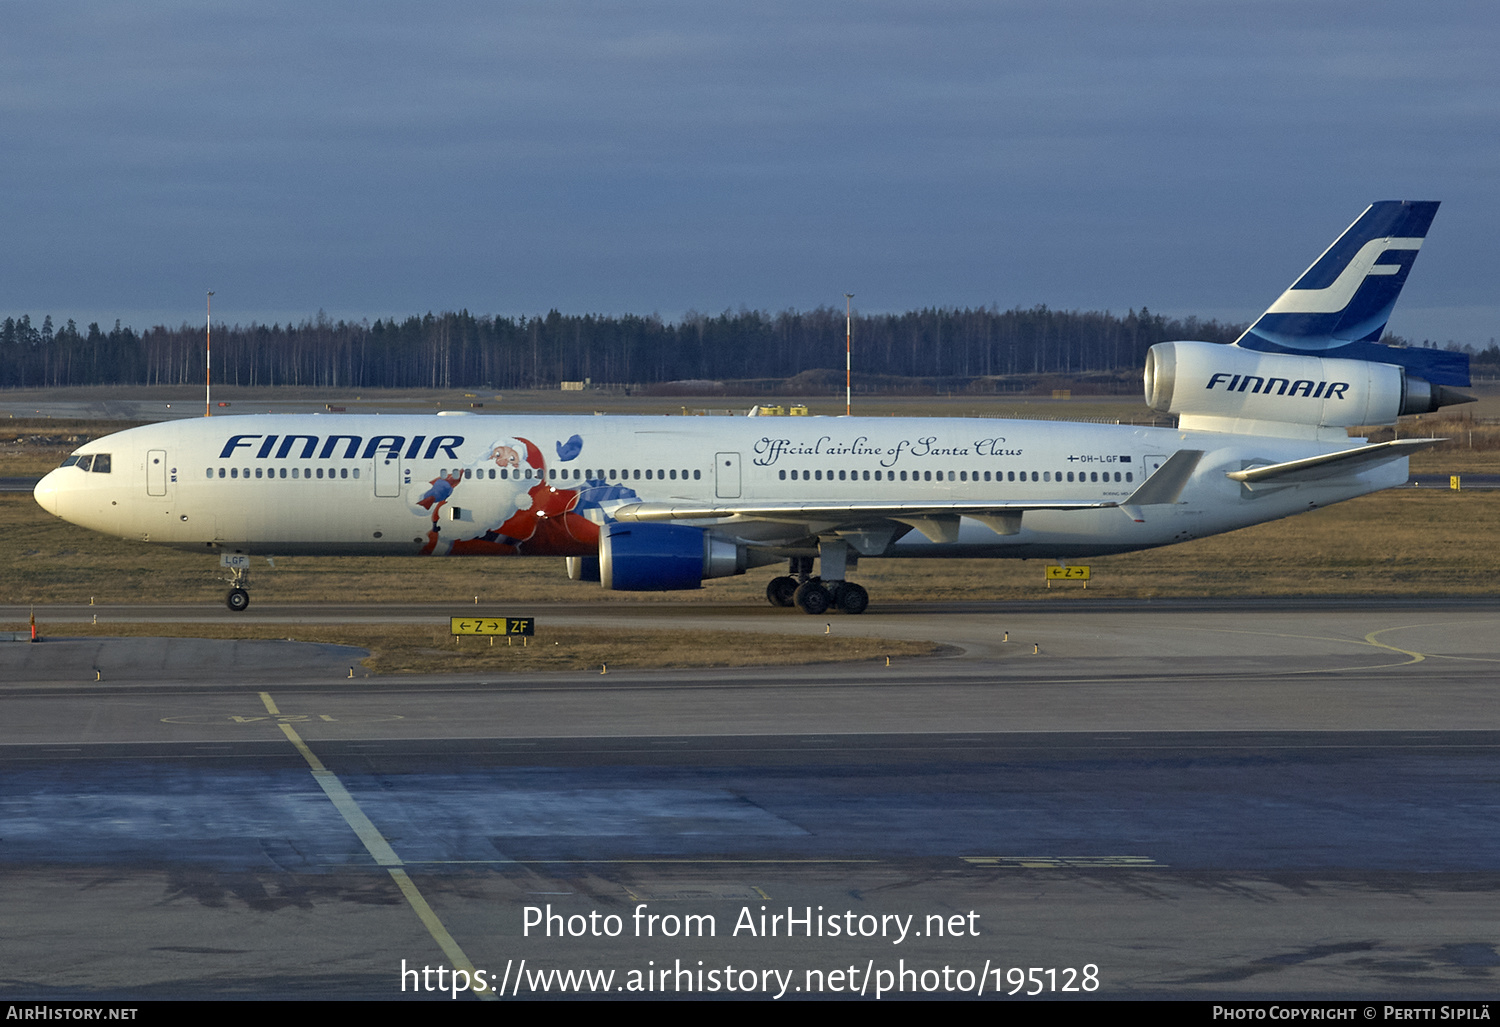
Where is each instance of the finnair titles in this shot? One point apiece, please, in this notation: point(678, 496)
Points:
point(659, 503)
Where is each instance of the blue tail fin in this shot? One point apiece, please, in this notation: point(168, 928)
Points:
point(1340, 305)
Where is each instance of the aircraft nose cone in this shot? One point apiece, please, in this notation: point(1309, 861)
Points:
point(46, 493)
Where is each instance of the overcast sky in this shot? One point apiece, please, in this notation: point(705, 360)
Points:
point(374, 159)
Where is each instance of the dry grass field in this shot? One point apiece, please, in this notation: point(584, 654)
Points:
point(1428, 542)
point(402, 649)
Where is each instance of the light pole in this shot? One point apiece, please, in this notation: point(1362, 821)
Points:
point(848, 347)
point(208, 347)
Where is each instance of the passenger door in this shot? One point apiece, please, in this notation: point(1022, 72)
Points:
point(727, 475)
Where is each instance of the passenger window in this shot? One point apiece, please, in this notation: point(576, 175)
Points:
point(783, 474)
point(283, 472)
point(697, 475)
point(356, 472)
point(222, 473)
point(294, 472)
point(1128, 477)
point(210, 472)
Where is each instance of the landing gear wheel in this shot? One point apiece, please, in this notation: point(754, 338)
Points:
point(237, 599)
point(852, 598)
point(780, 591)
point(811, 597)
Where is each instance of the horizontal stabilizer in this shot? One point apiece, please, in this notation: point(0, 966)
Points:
point(1331, 465)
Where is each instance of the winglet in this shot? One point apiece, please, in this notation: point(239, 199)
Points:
point(1165, 486)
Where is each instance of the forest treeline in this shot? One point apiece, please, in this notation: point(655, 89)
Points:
point(457, 350)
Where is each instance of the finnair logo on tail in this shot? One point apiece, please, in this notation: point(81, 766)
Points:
point(1336, 296)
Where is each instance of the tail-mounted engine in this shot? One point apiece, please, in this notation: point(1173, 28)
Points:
point(1226, 388)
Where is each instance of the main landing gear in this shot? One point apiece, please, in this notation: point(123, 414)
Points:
point(814, 595)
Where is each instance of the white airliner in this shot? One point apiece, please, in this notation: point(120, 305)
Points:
point(657, 503)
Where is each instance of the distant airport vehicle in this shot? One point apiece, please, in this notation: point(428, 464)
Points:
point(658, 503)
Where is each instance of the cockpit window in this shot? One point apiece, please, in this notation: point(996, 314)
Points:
point(70, 461)
point(101, 463)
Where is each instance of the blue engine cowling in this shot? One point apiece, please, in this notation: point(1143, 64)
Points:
point(645, 557)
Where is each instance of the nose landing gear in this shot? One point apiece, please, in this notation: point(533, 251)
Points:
point(238, 577)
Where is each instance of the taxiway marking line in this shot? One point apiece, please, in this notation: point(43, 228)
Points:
point(1368, 640)
point(1415, 657)
point(379, 849)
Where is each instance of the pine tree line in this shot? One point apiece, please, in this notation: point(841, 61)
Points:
point(453, 350)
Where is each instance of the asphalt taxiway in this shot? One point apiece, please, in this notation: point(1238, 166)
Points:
point(1198, 800)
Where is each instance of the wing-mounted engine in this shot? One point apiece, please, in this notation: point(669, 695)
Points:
point(646, 557)
point(1227, 388)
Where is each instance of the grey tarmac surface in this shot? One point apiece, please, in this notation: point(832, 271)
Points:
point(1237, 799)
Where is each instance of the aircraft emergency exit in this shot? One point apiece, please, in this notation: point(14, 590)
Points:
point(660, 503)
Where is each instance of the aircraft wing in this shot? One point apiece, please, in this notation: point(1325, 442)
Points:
point(1330, 465)
point(936, 519)
point(834, 511)
point(939, 521)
